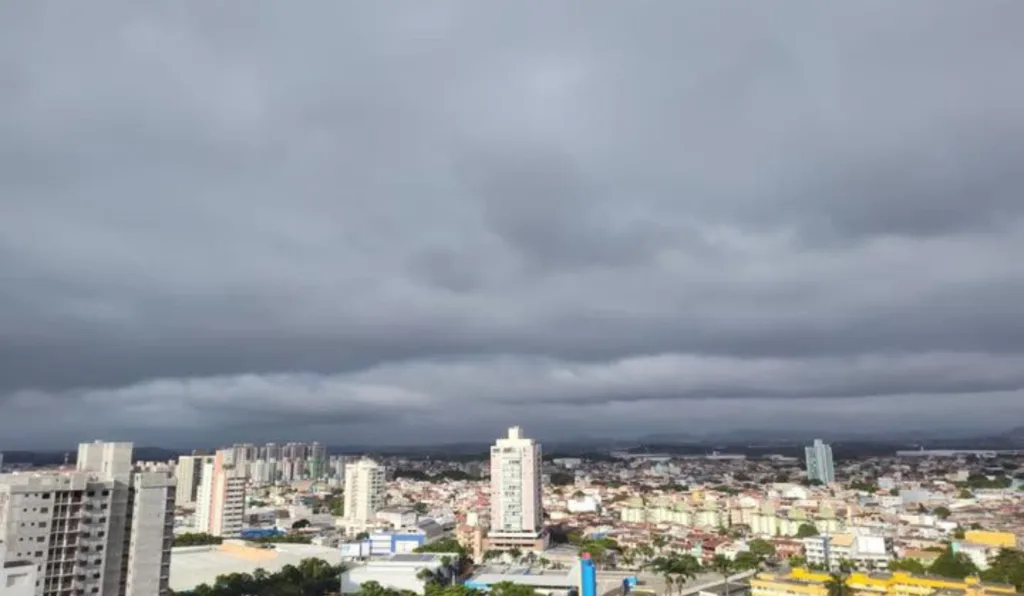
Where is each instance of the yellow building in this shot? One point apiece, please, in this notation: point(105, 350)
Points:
point(801, 582)
point(991, 539)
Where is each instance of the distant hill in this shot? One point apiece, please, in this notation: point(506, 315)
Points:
point(50, 458)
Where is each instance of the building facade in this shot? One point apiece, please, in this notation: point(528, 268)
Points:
point(819, 462)
point(863, 552)
point(17, 578)
point(220, 503)
point(516, 509)
point(364, 491)
point(189, 475)
point(101, 529)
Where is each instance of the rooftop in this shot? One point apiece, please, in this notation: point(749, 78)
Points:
point(192, 566)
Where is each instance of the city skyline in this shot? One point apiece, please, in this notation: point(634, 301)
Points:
point(710, 218)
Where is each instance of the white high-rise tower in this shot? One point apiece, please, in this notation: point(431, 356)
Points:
point(364, 491)
point(819, 462)
point(516, 511)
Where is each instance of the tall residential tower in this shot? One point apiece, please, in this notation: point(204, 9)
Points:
point(819, 462)
point(220, 498)
point(516, 511)
point(105, 528)
point(364, 491)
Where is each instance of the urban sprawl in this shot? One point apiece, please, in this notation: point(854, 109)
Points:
point(293, 519)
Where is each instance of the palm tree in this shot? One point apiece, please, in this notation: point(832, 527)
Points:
point(447, 563)
point(723, 565)
point(686, 567)
point(426, 575)
point(515, 553)
point(837, 585)
point(372, 588)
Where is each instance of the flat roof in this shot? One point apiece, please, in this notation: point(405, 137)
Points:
point(191, 566)
point(413, 557)
point(528, 579)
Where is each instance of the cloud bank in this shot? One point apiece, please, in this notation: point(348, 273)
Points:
point(356, 224)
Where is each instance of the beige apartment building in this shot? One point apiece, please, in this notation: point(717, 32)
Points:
point(516, 509)
point(220, 498)
point(364, 492)
point(104, 528)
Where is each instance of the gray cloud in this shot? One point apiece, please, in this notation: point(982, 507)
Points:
point(344, 222)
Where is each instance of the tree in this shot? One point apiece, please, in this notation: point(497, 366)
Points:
point(1007, 567)
point(444, 545)
point(953, 565)
point(837, 585)
point(372, 588)
point(806, 530)
point(421, 508)
point(941, 512)
point(511, 589)
point(302, 523)
point(426, 576)
point(762, 549)
point(909, 565)
point(310, 577)
point(676, 569)
point(868, 487)
point(723, 565)
point(797, 561)
point(196, 539)
point(746, 561)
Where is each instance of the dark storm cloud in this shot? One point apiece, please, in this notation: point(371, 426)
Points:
point(336, 219)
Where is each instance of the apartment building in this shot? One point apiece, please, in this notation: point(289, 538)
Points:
point(364, 491)
point(189, 475)
point(818, 458)
point(101, 529)
point(220, 498)
point(864, 552)
point(516, 508)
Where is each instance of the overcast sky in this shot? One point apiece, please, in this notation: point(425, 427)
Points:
point(426, 221)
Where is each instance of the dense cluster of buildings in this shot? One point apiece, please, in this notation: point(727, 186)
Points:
point(522, 518)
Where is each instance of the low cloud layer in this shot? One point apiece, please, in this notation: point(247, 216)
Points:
point(357, 224)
